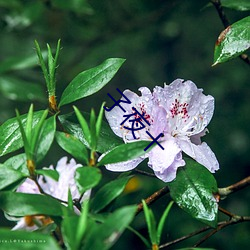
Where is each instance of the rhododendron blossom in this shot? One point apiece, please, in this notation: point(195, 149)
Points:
point(181, 112)
point(58, 189)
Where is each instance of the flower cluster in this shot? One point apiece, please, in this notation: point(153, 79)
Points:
point(181, 112)
point(58, 189)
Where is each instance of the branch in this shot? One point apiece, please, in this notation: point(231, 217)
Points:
point(152, 198)
point(235, 220)
point(223, 192)
point(226, 23)
point(144, 173)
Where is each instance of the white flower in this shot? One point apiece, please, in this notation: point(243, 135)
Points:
point(58, 189)
point(179, 111)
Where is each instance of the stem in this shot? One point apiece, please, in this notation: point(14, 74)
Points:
point(152, 198)
point(235, 220)
point(224, 192)
point(144, 173)
point(226, 23)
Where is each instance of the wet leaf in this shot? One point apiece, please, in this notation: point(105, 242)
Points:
point(90, 81)
point(87, 177)
point(46, 137)
point(20, 204)
point(233, 41)
point(125, 152)
point(73, 146)
point(193, 191)
point(107, 138)
point(9, 176)
point(10, 135)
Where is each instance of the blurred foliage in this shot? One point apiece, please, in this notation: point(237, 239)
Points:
point(161, 41)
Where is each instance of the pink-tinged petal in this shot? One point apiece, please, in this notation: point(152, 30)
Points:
point(115, 116)
point(143, 104)
point(189, 110)
point(160, 124)
point(126, 165)
point(196, 139)
point(201, 153)
point(29, 187)
point(165, 162)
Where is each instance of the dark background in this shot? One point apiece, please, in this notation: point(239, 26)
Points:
point(161, 41)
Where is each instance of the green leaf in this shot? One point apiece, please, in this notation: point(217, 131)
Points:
point(107, 139)
point(46, 137)
point(108, 193)
point(19, 90)
point(92, 127)
point(84, 125)
point(74, 228)
point(151, 223)
point(241, 5)
point(125, 152)
point(16, 240)
point(10, 136)
point(69, 230)
point(90, 81)
point(99, 122)
point(8, 176)
point(20, 204)
point(53, 174)
point(18, 162)
point(87, 177)
point(105, 235)
point(232, 41)
point(193, 191)
point(162, 221)
point(73, 146)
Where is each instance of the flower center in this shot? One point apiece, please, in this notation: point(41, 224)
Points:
point(180, 110)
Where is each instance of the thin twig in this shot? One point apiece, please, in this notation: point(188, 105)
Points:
point(152, 198)
point(224, 211)
point(144, 173)
point(223, 192)
point(235, 220)
point(226, 23)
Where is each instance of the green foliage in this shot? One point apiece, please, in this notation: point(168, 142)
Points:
point(108, 193)
point(155, 231)
point(193, 190)
point(17, 240)
point(107, 139)
point(90, 81)
point(110, 230)
point(241, 5)
point(9, 176)
point(73, 146)
point(10, 136)
point(87, 178)
point(50, 70)
point(125, 152)
point(233, 41)
point(30, 204)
